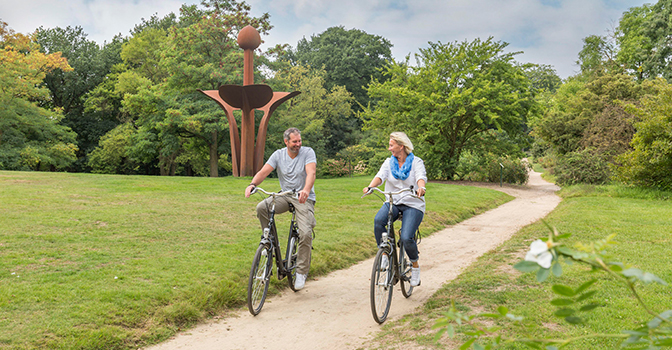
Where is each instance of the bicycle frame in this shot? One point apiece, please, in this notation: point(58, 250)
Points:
point(398, 268)
point(270, 233)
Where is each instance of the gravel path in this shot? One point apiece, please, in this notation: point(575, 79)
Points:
point(334, 311)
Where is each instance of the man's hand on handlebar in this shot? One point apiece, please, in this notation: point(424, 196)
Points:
point(249, 189)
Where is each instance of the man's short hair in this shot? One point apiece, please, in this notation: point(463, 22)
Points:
point(291, 131)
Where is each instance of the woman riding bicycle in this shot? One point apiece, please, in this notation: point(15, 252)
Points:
point(402, 170)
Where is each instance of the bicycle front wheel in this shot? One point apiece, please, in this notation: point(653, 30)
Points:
point(260, 276)
point(292, 256)
point(405, 268)
point(381, 286)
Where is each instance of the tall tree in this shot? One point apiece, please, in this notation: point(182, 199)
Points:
point(30, 135)
point(590, 115)
point(90, 64)
point(650, 160)
point(597, 56)
point(351, 58)
point(644, 37)
point(456, 91)
point(323, 116)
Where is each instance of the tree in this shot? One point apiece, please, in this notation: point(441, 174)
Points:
point(590, 115)
point(351, 58)
point(650, 160)
point(643, 35)
point(90, 64)
point(456, 91)
point(30, 135)
point(597, 56)
point(634, 45)
point(543, 78)
point(323, 115)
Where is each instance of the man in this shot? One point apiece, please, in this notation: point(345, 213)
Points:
point(296, 168)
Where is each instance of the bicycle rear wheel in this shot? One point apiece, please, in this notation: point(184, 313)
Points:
point(381, 286)
point(292, 256)
point(260, 276)
point(405, 278)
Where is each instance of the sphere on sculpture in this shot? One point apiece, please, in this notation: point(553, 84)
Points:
point(249, 38)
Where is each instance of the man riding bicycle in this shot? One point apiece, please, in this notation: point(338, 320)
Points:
point(296, 167)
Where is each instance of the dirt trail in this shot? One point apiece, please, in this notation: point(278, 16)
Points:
point(334, 311)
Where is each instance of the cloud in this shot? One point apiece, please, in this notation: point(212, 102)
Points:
point(101, 20)
point(548, 31)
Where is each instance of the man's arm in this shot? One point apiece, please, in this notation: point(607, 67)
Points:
point(258, 178)
point(311, 170)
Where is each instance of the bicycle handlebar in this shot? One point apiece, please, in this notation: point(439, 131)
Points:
point(272, 194)
point(393, 193)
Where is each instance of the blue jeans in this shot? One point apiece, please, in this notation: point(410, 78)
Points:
point(409, 225)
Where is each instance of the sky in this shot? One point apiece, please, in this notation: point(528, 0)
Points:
point(548, 32)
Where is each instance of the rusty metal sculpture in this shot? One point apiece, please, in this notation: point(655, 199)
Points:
point(246, 157)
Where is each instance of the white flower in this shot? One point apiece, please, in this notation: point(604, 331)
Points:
point(539, 253)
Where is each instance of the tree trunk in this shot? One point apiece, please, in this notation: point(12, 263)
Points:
point(214, 157)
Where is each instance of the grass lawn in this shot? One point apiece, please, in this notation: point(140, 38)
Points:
point(118, 262)
point(641, 220)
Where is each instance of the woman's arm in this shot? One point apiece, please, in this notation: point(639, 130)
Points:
point(374, 183)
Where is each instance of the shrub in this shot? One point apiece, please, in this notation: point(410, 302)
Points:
point(334, 168)
point(650, 161)
point(487, 168)
point(509, 170)
point(581, 167)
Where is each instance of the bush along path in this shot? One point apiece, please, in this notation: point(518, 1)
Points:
point(334, 310)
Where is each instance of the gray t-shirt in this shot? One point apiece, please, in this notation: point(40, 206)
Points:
point(292, 172)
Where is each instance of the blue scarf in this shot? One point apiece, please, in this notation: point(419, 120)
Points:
point(401, 174)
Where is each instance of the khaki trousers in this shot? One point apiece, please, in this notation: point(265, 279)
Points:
point(305, 217)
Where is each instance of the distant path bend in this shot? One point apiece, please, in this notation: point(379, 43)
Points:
point(334, 311)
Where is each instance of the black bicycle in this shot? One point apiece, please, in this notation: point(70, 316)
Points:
point(384, 278)
point(269, 248)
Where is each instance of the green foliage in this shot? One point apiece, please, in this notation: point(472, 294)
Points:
point(31, 137)
point(597, 56)
point(69, 88)
point(650, 161)
point(324, 116)
point(350, 58)
point(643, 34)
point(585, 166)
point(491, 168)
point(334, 168)
point(449, 98)
point(543, 78)
point(111, 157)
point(355, 158)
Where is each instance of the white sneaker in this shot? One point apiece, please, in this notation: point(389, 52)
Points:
point(384, 262)
point(300, 281)
point(415, 276)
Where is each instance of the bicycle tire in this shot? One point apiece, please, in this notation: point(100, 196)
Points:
point(260, 276)
point(292, 257)
point(405, 266)
point(381, 287)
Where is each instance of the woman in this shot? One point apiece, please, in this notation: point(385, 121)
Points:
point(402, 170)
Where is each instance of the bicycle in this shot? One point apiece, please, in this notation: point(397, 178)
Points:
point(269, 248)
point(383, 280)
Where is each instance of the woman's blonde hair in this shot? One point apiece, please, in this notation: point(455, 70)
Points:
point(401, 139)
